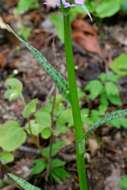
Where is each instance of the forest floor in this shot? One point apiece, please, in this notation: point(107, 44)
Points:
point(106, 161)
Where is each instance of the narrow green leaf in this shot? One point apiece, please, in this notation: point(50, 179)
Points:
point(57, 163)
point(95, 88)
point(119, 123)
point(109, 77)
point(53, 73)
point(32, 127)
point(12, 136)
point(119, 65)
point(13, 89)
point(57, 20)
point(39, 166)
point(25, 31)
point(6, 157)
point(60, 174)
point(112, 93)
point(111, 89)
point(107, 8)
point(23, 183)
point(43, 118)
point(46, 133)
point(30, 108)
point(65, 118)
point(56, 76)
point(56, 147)
point(109, 117)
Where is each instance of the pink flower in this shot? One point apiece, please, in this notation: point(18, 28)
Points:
point(79, 2)
point(56, 3)
point(52, 3)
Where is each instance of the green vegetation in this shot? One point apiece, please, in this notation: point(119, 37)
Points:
point(63, 112)
point(123, 182)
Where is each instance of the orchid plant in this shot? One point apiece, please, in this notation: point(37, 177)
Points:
point(79, 133)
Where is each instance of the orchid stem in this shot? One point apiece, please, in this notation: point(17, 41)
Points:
point(79, 132)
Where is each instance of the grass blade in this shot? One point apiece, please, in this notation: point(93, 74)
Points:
point(56, 76)
point(22, 183)
point(108, 117)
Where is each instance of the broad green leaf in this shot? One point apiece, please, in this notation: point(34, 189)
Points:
point(91, 5)
point(56, 147)
point(13, 89)
point(103, 103)
point(116, 100)
point(6, 157)
point(59, 174)
point(123, 182)
point(119, 123)
point(43, 118)
point(95, 115)
point(24, 5)
point(59, 105)
point(22, 183)
point(25, 32)
point(60, 130)
point(12, 136)
point(112, 93)
point(107, 8)
point(39, 166)
point(33, 128)
point(111, 89)
point(95, 88)
point(46, 133)
point(75, 11)
point(65, 118)
point(30, 108)
point(84, 114)
point(57, 20)
point(81, 94)
point(109, 77)
point(119, 65)
point(57, 163)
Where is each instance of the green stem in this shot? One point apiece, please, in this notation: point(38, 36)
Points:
point(79, 132)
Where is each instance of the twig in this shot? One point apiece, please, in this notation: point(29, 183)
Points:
point(67, 157)
point(29, 150)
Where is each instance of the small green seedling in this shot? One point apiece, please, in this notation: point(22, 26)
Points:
point(106, 91)
point(57, 171)
point(38, 124)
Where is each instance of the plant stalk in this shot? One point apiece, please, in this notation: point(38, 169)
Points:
point(49, 167)
point(79, 132)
